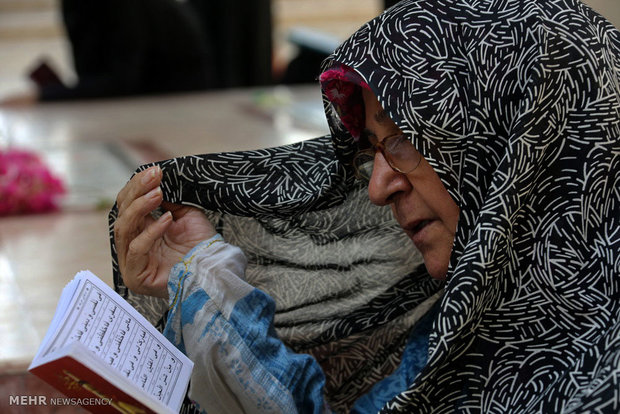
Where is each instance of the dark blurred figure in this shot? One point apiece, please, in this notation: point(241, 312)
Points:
point(240, 33)
point(130, 47)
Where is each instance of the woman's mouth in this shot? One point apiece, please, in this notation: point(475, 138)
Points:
point(420, 226)
point(416, 232)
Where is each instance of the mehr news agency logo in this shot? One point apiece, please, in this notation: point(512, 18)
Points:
point(32, 400)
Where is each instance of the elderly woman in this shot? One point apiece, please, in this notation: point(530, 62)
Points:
point(492, 131)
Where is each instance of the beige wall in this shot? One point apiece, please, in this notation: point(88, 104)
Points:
point(608, 8)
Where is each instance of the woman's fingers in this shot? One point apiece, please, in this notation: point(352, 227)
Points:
point(142, 206)
point(140, 274)
point(132, 222)
point(136, 233)
point(140, 184)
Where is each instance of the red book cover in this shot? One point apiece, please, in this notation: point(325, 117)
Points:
point(94, 392)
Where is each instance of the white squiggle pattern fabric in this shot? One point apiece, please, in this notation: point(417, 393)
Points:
point(516, 105)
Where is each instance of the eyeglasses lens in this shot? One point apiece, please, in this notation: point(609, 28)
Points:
point(401, 154)
point(363, 163)
point(397, 150)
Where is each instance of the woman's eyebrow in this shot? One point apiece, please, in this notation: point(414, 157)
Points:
point(381, 116)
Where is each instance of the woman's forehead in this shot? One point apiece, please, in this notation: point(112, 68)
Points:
point(375, 114)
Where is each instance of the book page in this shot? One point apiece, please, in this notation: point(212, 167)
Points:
point(109, 327)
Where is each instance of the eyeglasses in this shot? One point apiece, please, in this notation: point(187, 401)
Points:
point(397, 150)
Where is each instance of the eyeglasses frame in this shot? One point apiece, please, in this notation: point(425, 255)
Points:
point(381, 147)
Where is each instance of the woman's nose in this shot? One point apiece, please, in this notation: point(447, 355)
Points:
point(385, 183)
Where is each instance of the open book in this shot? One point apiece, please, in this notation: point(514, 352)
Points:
point(101, 351)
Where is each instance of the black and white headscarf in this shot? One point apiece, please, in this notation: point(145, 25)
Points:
point(516, 105)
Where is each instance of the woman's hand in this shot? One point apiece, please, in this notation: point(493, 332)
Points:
point(148, 248)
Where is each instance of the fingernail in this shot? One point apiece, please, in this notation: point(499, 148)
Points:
point(150, 175)
point(154, 193)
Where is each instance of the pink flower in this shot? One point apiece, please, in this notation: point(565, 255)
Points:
point(26, 184)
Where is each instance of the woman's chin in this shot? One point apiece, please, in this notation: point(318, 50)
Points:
point(436, 270)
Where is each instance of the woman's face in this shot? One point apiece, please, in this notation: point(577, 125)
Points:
point(420, 202)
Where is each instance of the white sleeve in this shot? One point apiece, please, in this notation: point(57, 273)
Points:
point(225, 326)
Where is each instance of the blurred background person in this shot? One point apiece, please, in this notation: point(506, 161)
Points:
point(128, 47)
